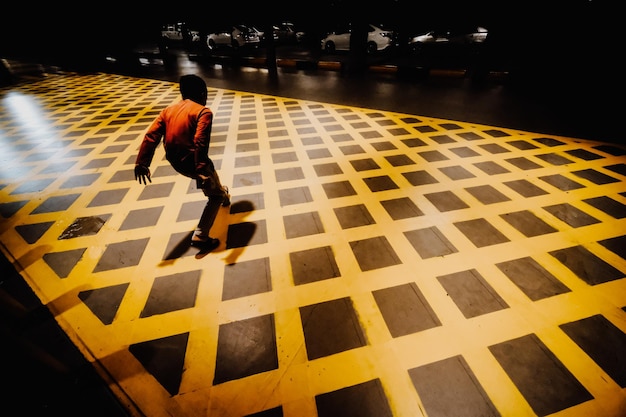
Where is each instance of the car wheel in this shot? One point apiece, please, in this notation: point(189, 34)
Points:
point(211, 44)
point(329, 47)
point(234, 44)
point(372, 48)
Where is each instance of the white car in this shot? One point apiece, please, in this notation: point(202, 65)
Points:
point(447, 38)
point(178, 32)
point(379, 38)
point(234, 36)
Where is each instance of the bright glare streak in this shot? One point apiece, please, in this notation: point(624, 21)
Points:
point(27, 113)
point(29, 126)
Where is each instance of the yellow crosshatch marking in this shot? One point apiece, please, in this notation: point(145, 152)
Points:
point(371, 263)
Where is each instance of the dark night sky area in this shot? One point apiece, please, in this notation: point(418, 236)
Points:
point(570, 27)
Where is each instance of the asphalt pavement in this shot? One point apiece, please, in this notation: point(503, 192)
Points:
point(566, 100)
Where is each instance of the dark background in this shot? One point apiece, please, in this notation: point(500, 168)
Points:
point(573, 27)
point(564, 44)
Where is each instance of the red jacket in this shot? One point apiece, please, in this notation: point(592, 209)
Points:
point(185, 128)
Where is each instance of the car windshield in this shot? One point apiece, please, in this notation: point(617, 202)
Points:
point(382, 26)
point(243, 28)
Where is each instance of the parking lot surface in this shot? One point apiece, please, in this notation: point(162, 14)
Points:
point(373, 262)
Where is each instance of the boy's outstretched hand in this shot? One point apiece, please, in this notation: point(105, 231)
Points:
point(142, 174)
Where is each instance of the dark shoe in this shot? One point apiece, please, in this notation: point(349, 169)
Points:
point(226, 201)
point(208, 244)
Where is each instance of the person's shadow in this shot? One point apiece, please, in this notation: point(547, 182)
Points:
point(179, 250)
point(240, 233)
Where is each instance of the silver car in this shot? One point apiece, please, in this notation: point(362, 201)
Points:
point(448, 38)
point(234, 36)
point(175, 32)
point(379, 38)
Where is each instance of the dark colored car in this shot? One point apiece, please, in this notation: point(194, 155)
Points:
point(286, 33)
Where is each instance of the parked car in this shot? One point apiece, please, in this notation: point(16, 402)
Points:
point(178, 32)
point(445, 39)
point(286, 33)
point(379, 38)
point(260, 33)
point(234, 36)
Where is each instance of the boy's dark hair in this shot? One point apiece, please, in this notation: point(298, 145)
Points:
point(192, 87)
